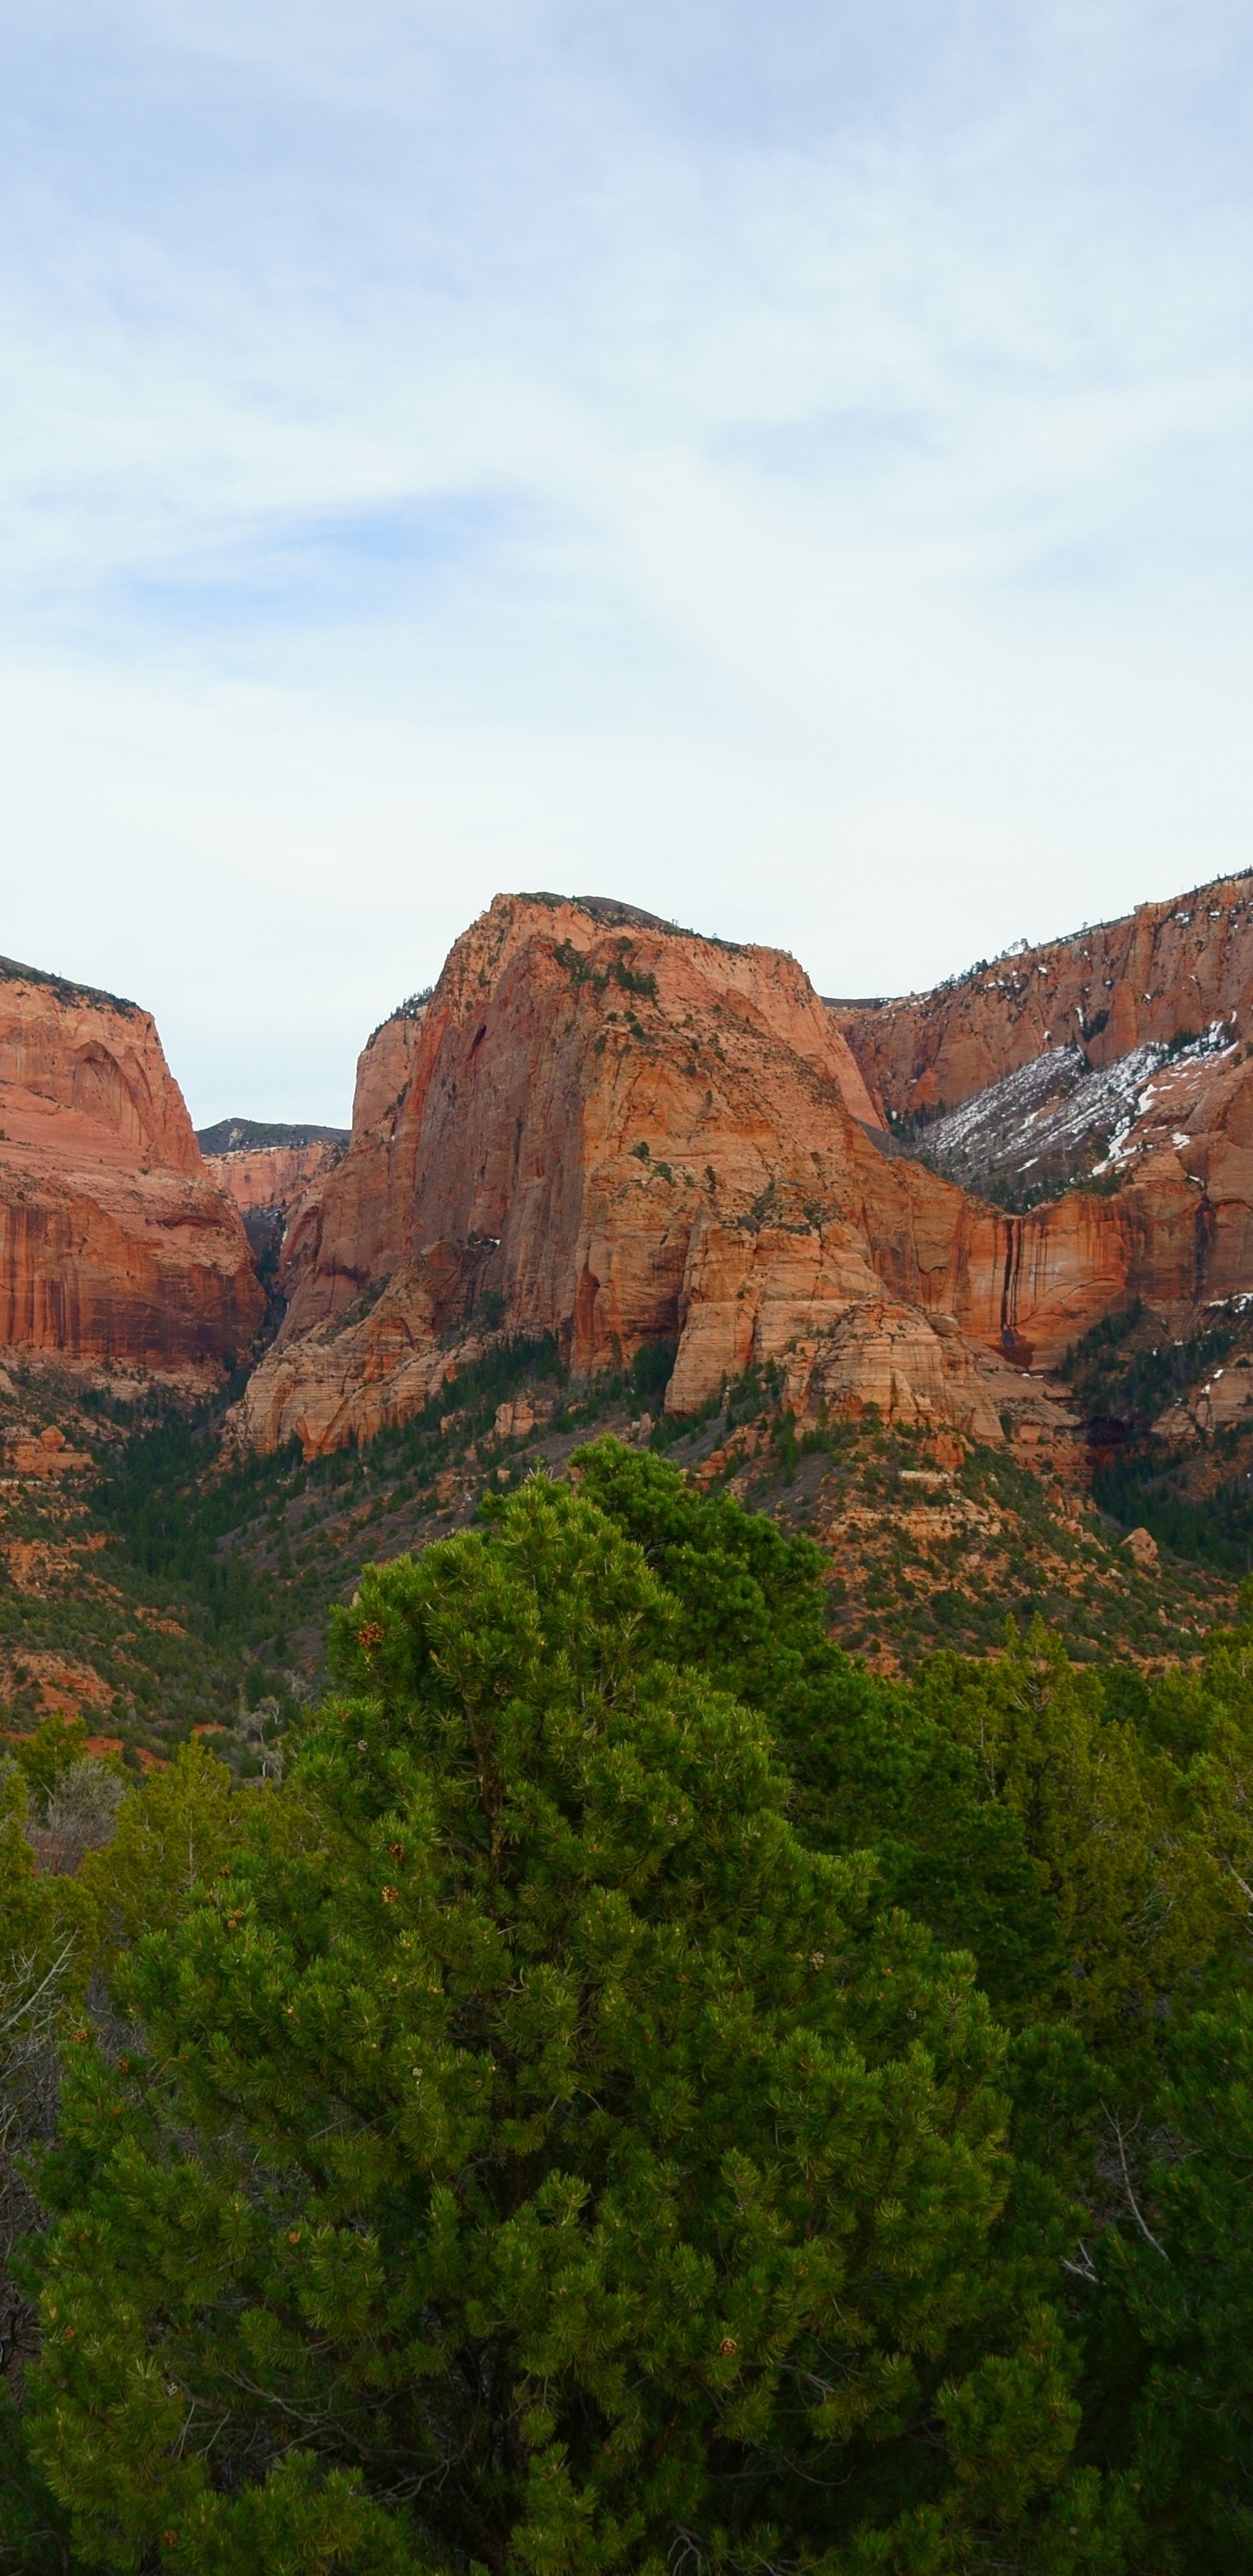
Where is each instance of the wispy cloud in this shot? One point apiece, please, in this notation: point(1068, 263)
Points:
point(790, 466)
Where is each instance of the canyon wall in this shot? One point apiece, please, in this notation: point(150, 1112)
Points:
point(1150, 1019)
point(615, 1132)
point(1162, 970)
point(385, 1064)
point(115, 1243)
point(604, 1129)
point(273, 1178)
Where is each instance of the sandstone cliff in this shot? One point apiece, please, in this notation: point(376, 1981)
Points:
point(115, 1243)
point(270, 1171)
point(271, 1177)
point(386, 1062)
point(1164, 970)
point(1118, 1056)
point(615, 1132)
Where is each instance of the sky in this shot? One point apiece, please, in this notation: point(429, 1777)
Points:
point(786, 467)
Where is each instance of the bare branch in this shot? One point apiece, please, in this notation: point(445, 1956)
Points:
point(1136, 2211)
point(20, 2011)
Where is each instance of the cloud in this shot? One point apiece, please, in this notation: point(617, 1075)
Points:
point(785, 466)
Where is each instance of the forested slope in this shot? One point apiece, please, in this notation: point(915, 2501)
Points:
point(641, 2090)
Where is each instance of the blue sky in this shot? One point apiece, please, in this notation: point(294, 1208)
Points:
point(788, 467)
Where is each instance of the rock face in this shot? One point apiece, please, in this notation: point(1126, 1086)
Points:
point(1119, 1056)
point(48, 1454)
point(1165, 970)
point(115, 1243)
point(232, 1136)
point(601, 1128)
point(271, 1177)
point(269, 1171)
point(615, 1133)
point(386, 1062)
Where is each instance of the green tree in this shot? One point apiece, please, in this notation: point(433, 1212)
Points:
point(870, 1764)
point(1201, 1724)
point(44, 1758)
point(1170, 2369)
point(43, 1969)
point(172, 1837)
point(1114, 1834)
point(57, 1933)
point(536, 2157)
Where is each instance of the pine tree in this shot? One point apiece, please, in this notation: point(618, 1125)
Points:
point(870, 1763)
point(1170, 2368)
point(45, 1951)
point(533, 2155)
point(1136, 1892)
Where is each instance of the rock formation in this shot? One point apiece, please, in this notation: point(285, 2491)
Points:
point(115, 1243)
point(270, 1172)
point(615, 1132)
point(1164, 970)
point(272, 1178)
point(47, 1453)
point(386, 1062)
point(605, 1129)
point(1119, 1056)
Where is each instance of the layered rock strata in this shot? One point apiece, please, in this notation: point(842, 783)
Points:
point(386, 1062)
point(1164, 971)
point(614, 1132)
point(269, 1171)
point(1120, 1058)
point(116, 1245)
point(272, 1178)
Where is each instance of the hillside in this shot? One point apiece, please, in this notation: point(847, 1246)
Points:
point(154, 1587)
point(612, 1175)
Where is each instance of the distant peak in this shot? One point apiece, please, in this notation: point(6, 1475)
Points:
point(245, 1135)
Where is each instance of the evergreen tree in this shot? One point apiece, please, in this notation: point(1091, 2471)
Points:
point(44, 1963)
point(534, 2155)
point(168, 1842)
point(870, 1763)
point(1169, 2381)
point(1113, 1833)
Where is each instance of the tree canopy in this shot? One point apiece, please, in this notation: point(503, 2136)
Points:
point(645, 2095)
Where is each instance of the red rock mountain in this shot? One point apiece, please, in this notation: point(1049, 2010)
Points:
point(1122, 1053)
point(605, 1129)
point(115, 1243)
point(613, 1131)
point(271, 1177)
point(386, 1062)
point(1163, 969)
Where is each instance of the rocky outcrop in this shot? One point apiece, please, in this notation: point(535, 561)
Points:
point(612, 1132)
point(272, 1177)
point(46, 1453)
point(386, 1062)
point(910, 1368)
point(270, 1171)
point(1164, 971)
point(1124, 1094)
point(115, 1243)
point(615, 1133)
point(249, 1135)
